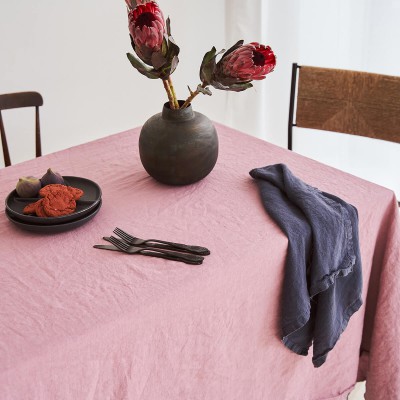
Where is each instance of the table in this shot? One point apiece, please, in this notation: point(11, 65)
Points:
point(82, 323)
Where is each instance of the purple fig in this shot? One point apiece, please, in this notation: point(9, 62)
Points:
point(51, 177)
point(28, 186)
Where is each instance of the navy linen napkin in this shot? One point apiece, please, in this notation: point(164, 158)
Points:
point(323, 278)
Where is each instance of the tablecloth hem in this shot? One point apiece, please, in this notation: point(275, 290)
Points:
point(342, 396)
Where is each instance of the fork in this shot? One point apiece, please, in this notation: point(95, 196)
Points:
point(153, 252)
point(161, 244)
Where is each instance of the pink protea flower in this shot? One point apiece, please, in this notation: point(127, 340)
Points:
point(251, 61)
point(147, 28)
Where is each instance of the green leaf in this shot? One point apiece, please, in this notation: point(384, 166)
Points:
point(165, 72)
point(174, 63)
point(168, 68)
point(158, 60)
point(204, 90)
point(235, 87)
point(209, 55)
point(168, 25)
point(167, 60)
point(164, 46)
point(239, 87)
point(173, 49)
point(233, 48)
point(142, 68)
point(208, 65)
point(136, 63)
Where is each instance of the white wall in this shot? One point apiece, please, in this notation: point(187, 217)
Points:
point(74, 54)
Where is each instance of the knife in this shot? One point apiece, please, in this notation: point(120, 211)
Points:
point(195, 260)
point(107, 247)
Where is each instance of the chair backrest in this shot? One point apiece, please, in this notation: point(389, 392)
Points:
point(18, 100)
point(357, 103)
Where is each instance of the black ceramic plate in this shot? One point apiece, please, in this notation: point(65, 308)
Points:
point(89, 200)
point(55, 228)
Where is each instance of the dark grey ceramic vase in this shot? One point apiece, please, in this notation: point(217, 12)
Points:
point(178, 147)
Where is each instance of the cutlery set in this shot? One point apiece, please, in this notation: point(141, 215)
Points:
point(129, 244)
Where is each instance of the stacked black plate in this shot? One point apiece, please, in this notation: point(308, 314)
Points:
point(86, 208)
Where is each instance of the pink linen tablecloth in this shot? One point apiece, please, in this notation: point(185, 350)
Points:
point(81, 323)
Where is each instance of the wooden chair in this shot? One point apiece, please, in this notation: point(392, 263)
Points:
point(357, 103)
point(18, 100)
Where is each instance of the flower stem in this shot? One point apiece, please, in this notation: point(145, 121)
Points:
point(192, 96)
point(174, 98)
point(169, 93)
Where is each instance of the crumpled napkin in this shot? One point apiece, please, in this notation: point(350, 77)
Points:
point(323, 277)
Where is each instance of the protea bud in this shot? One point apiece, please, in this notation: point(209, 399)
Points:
point(238, 67)
point(252, 61)
point(147, 29)
point(152, 41)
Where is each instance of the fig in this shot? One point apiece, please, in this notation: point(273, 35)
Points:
point(28, 186)
point(51, 177)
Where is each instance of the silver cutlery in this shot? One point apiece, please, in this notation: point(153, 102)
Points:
point(161, 244)
point(153, 252)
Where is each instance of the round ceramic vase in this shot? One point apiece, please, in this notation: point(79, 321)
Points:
point(178, 147)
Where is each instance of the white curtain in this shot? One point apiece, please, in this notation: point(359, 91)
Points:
point(262, 110)
point(358, 34)
point(244, 110)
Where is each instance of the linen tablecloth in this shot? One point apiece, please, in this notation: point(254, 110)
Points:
point(82, 323)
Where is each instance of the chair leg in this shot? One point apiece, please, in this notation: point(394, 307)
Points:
point(295, 66)
point(6, 154)
point(38, 141)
